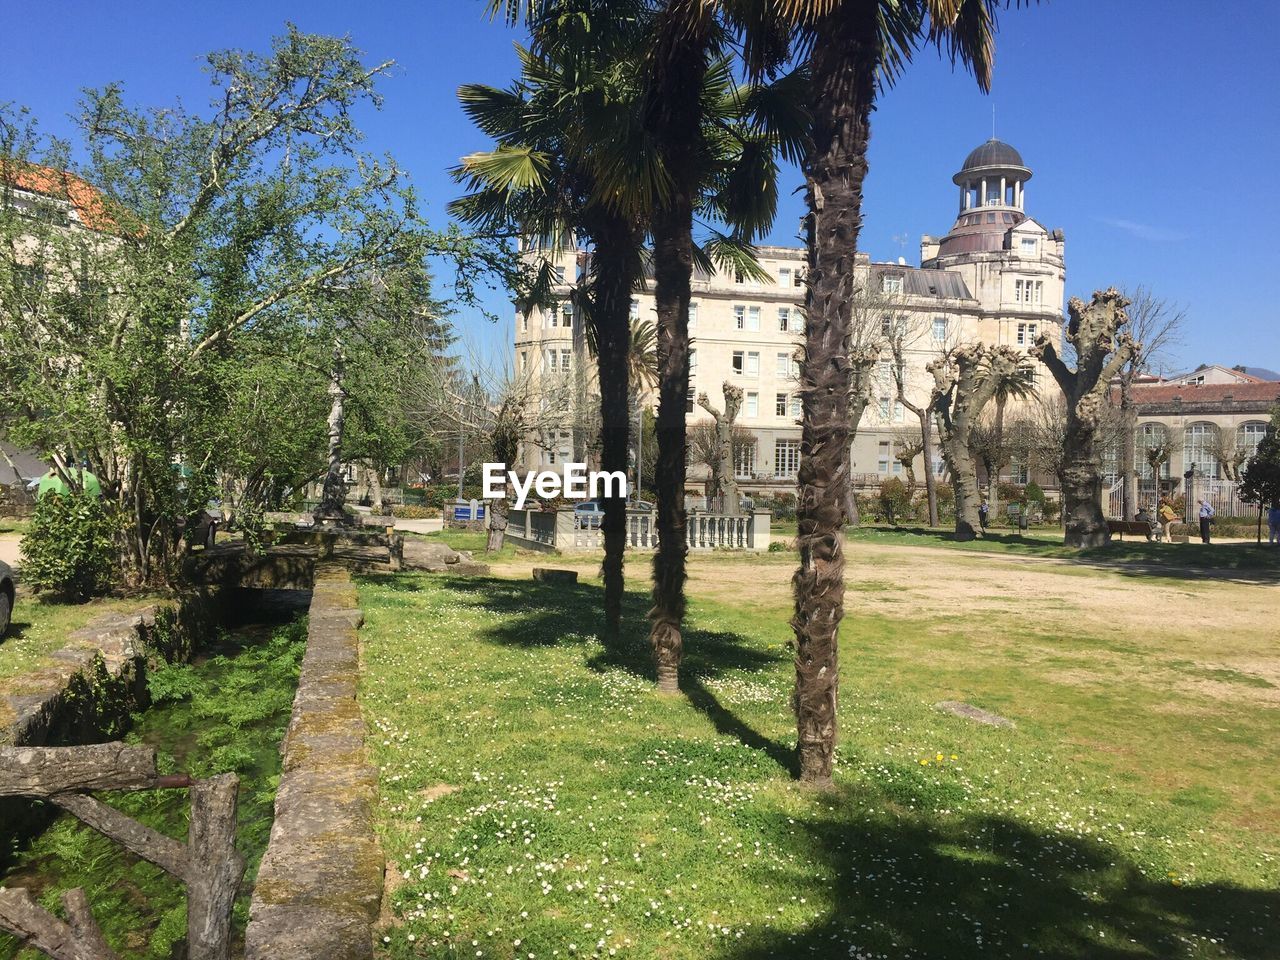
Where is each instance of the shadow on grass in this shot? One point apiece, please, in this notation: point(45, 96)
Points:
point(537, 614)
point(905, 889)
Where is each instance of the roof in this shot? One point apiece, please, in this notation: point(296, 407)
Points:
point(87, 201)
point(29, 465)
point(993, 153)
point(1163, 393)
point(921, 282)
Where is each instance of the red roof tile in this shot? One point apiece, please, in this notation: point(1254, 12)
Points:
point(60, 185)
point(1262, 391)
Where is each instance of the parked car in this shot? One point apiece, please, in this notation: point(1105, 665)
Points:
point(587, 514)
point(7, 595)
point(640, 505)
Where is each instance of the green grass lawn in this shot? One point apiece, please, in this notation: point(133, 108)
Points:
point(41, 626)
point(10, 525)
point(540, 800)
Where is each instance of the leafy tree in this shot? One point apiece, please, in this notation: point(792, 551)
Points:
point(186, 244)
point(1261, 476)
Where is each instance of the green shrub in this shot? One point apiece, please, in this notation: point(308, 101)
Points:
point(1033, 493)
point(894, 502)
point(70, 549)
point(410, 511)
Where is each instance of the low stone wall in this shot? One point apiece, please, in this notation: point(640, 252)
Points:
point(87, 689)
point(319, 888)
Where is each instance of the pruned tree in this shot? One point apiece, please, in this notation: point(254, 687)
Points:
point(1232, 450)
point(1102, 348)
point(904, 332)
point(907, 445)
point(965, 381)
point(1156, 326)
point(723, 481)
point(504, 408)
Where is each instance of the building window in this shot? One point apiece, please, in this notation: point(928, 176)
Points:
point(884, 408)
point(753, 318)
point(784, 365)
point(1028, 371)
point(797, 407)
point(739, 362)
point(567, 313)
point(552, 317)
point(635, 309)
point(752, 405)
point(739, 316)
point(693, 363)
point(690, 398)
point(882, 461)
point(939, 328)
point(786, 457)
point(524, 360)
point(886, 326)
point(1249, 435)
point(753, 363)
point(780, 405)
point(891, 283)
point(524, 322)
point(1017, 291)
point(744, 459)
point(738, 277)
point(1153, 439)
point(1026, 334)
point(559, 274)
point(1199, 443)
point(784, 277)
point(1039, 291)
point(1028, 245)
point(784, 319)
point(693, 313)
point(899, 413)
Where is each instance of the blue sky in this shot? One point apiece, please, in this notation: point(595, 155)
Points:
point(1153, 129)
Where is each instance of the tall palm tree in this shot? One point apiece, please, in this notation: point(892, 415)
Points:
point(568, 137)
point(852, 46)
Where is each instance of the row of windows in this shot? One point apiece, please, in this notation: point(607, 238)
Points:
point(787, 277)
point(1028, 291)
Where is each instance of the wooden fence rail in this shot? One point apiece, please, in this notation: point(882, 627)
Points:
point(208, 863)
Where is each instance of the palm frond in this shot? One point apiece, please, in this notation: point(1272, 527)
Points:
point(732, 254)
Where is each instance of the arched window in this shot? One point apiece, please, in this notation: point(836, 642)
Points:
point(1249, 434)
point(1152, 445)
point(1199, 449)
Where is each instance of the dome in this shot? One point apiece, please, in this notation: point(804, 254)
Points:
point(993, 153)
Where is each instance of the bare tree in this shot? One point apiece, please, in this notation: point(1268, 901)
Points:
point(871, 320)
point(723, 481)
point(907, 445)
point(1102, 349)
point(1232, 450)
point(965, 381)
point(1156, 326)
point(505, 408)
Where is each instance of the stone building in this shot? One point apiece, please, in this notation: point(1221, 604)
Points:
point(997, 276)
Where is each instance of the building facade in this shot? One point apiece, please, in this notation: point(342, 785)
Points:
point(998, 276)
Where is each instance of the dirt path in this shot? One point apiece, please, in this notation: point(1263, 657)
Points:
point(1042, 596)
point(9, 548)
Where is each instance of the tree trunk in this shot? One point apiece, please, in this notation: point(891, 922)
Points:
point(498, 511)
point(997, 464)
point(843, 63)
point(678, 119)
point(1128, 452)
point(930, 480)
point(964, 481)
point(335, 487)
point(616, 246)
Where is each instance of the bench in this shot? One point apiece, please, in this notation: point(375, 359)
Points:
point(1135, 527)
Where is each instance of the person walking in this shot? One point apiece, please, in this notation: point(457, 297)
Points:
point(1168, 517)
point(1273, 524)
point(1206, 519)
point(984, 510)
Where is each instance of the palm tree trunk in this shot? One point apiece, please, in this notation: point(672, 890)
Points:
point(616, 246)
point(843, 64)
point(676, 119)
point(673, 269)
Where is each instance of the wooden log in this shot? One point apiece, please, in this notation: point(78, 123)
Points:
point(154, 847)
point(36, 927)
point(216, 867)
point(45, 771)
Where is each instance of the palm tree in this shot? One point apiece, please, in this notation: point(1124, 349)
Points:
point(851, 46)
point(715, 157)
point(568, 135)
